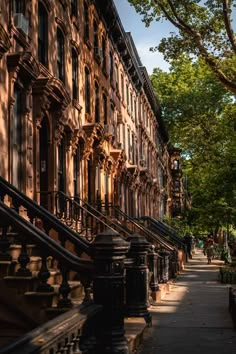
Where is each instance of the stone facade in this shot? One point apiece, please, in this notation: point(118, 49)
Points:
point(77, 109)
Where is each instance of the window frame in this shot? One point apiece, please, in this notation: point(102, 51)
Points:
point(75, 72)
point(43, 28)
point(87, 90)
point(60, 55)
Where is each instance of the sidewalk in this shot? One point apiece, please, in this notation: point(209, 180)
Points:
point(193, 317)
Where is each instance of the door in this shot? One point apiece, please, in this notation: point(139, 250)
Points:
point(43, 156)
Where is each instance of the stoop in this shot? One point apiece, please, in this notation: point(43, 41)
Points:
point(134, 328)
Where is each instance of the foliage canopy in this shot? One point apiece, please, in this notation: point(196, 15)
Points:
point(203, 29)
point(200, 115)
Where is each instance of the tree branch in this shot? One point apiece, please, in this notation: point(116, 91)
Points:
point(169, 18)
point(228, 26)
point(181, 22)
point(196, 36)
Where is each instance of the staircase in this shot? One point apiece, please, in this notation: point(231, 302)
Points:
point(45, 267)
point(170, 248)
point(54, 269)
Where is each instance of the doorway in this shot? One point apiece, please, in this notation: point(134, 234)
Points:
point(43, 157)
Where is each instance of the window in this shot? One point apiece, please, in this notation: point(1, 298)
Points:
point(112, 114)
point(95, 35)
point(104, 98)
point(76, 172)
point(97, 103)
point(87, 91)
point(133, 150)
point(42, 35)
point(122, 87)
point(61, 166)
point(111, 64)
point(104, 64)
point(60, 56)
point(74, 75)
point(86, 21)
point(19, 6)
point(117, 76)
point(127, 95)
point(74, 8)
point(128, 135)
point(135, 111)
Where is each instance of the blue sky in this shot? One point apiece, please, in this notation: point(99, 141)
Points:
point(144, 38)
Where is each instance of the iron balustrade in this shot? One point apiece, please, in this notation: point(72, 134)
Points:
point(163, 229)
point(135, 227)
point(39, 215)
point(26, 233)
point(102, 272)
point(82, 217)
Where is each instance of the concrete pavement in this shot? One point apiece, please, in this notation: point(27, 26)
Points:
point(193, 317)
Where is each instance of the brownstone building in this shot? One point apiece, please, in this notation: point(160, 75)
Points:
point(78, 113)
point(81, 129)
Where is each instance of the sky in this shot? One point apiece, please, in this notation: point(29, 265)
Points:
point(144, 38)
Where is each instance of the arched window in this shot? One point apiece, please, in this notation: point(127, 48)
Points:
point(97, 103)
point(42, 35)
point(104, 99)
point(86, 21)
point(60, 55)
point(74, 75)
point(87, 91)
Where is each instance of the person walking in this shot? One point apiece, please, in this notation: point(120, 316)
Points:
point(209, 248)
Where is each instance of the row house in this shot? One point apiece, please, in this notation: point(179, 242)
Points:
point(83, 151)
point(77, 109)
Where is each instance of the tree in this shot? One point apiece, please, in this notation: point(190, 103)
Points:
point(204, 29)
point(200, 115)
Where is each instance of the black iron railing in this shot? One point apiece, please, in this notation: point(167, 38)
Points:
point(83, 217)
point(38, 214)
point(163, 230)
point(134, 226)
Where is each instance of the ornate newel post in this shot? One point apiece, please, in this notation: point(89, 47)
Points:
point(109, 252)
point(137, 279)
point(164, 265)
point(152, 265)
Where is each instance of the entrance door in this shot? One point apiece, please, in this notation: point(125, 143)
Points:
point(89, 181)
point(17, 173)
point(43, 156)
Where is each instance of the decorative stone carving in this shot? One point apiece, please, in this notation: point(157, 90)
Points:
point(5, 43)
point(58, 134)
point(25, 64)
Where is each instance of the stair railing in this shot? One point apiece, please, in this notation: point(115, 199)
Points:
point(159, 227)
point(27, 233)
point(38, 214)
point(135, 227)
point(83, 217)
